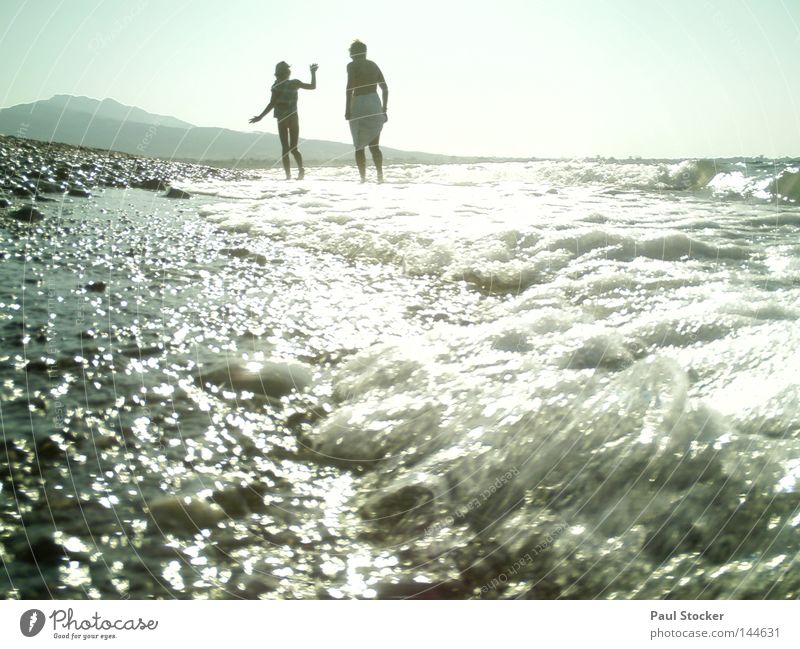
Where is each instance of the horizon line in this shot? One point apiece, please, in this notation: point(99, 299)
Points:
point(482, 157)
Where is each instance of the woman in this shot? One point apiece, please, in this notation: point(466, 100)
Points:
point(284, 101)
point(365, 112)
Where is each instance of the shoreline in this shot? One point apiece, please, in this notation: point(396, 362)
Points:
point(38, 171)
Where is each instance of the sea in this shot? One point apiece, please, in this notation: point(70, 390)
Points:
point(553, 379)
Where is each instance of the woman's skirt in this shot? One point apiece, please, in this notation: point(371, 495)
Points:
point(366, 119)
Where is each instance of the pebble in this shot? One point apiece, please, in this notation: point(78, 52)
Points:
point(39, 547)
point(241, 499)
point(20, 191)
point(29, 169)
point(51, 187)
point(259, 584)
point(153, 184)
point(414, 590)
point(177, 193)
point(175, 513)
point(27, 214)
point(268, 378)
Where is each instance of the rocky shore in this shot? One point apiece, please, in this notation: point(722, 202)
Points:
point(32, 171)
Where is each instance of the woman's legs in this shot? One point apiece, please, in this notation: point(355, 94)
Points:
point(367, 126)
point(377, 156)
point(361, 163)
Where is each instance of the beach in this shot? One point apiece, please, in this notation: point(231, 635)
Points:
point(537, 379)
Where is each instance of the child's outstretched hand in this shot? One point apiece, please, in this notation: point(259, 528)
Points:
point(255, 119)
point(314, 67)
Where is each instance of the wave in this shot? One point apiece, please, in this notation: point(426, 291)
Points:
point(668, 247)
point(787, 185)
point(684, 175)
point(508, 261)
point(730, 180)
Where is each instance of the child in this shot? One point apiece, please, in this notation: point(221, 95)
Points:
point(284, 101)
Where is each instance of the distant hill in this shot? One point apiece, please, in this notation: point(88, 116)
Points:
point(107, 124)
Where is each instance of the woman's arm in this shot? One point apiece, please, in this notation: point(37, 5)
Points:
point(384, 91)
point(348, 92)
point(313, 84)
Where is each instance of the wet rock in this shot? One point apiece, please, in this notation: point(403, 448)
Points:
point(244, 253)
point(226, 539)
point(103, 442)
point(175, 513)
point(114, 181)
point(409, 510)
point(513, 341)
point(39, 365)
point(50, 187)
point(29, 169)
point(4, 202)
point(22, 192)
point(96, 287)
point(284, 537)
point(259, 584)
point(306, 417)
point(154, 184)
point(63, 172)
point(604, 351)
point(241, 499)
point(42, 550)
point(268, 378)
point(177, 193)
point(70, 362)
point(27, 214)
point(80, 192)
point(414, 590)
point(135, 351)
point(239, 253)
point(49, 449)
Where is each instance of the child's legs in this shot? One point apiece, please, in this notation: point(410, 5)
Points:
point(283, 134)
point(294, 137)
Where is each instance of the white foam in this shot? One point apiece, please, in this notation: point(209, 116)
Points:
point(569, 370)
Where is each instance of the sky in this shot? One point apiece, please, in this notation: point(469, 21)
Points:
point(526, 78)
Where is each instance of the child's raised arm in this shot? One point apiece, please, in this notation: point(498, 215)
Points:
point(313, 84)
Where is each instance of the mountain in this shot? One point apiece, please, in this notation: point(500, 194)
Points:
point(110, 109)
point(107, 124)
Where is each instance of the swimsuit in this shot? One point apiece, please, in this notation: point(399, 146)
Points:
point(366, 110)
point(284, 98)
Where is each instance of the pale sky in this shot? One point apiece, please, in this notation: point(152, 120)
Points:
point(654, 78)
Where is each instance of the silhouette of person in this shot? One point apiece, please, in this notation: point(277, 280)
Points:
point(284, 101)
point(364, 110)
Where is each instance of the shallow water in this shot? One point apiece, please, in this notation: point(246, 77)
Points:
point(546, 379)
